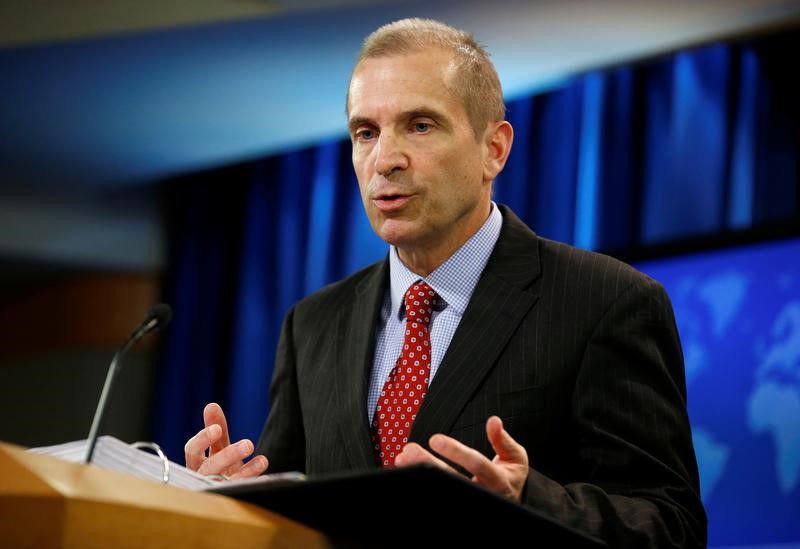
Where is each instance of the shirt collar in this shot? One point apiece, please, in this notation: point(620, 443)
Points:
point(456, 278)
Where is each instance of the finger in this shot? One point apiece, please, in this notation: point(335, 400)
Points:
point(468, 458)
point(213, 414)
point(504, 445)
point(195, 449)
point(227, 461)
point(414, 454)
point(252, 468)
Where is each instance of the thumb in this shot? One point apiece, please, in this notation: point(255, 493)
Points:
point(506, 448)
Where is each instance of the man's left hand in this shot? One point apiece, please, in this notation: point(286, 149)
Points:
point(505, 474)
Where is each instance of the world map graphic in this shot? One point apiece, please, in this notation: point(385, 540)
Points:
point(738, 314)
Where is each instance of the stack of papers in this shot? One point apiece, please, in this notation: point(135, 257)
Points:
point(116, 455)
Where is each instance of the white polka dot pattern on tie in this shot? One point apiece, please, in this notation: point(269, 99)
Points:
point(403, 393)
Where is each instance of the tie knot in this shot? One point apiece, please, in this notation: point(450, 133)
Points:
point(420, 299)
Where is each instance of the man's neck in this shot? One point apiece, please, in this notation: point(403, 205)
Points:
point(423, 263)
point(424, 259)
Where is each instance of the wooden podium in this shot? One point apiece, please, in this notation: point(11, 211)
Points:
point(49, 503)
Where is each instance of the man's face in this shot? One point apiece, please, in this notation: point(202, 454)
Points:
point(419, 167)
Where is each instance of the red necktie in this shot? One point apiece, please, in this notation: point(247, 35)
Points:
point(403, 392)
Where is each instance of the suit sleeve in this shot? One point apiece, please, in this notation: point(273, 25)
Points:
point(634, 481)
point(283, 439)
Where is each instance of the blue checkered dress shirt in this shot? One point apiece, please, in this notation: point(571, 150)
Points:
point(453, 281)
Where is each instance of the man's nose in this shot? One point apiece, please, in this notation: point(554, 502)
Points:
point(390, 154)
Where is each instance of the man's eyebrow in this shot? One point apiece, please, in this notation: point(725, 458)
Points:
point(425, 112)
point(353, 123)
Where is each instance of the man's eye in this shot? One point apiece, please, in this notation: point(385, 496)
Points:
point(422, 127)
point(365, 134)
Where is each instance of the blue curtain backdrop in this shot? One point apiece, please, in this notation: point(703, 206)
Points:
point(691, 144)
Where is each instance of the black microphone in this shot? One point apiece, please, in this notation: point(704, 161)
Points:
point(157, 317)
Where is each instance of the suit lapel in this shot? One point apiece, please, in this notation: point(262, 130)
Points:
point(500, 301)
point(355, 341)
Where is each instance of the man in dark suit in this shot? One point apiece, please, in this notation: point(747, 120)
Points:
point(550, 375)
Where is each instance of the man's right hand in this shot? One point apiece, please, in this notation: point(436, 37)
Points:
point(210, 451)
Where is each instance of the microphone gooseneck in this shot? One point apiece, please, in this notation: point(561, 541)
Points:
point(157, 317)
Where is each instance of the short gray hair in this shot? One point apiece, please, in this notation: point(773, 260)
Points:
point(475, 82)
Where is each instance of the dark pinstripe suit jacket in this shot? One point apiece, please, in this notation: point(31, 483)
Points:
point(577, 352)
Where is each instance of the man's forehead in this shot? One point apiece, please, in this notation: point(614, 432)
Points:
point(399, 79)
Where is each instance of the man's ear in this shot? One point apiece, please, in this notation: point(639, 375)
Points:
point(498, 140)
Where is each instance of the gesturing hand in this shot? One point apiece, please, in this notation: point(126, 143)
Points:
point(505, 474)
point(222, 457)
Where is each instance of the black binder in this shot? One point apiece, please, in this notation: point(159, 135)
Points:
point(354, 508)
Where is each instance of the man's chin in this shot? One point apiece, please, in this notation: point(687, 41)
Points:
point(400, 233)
